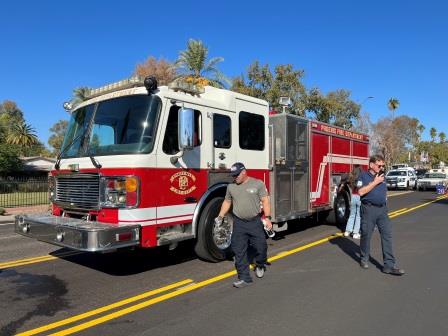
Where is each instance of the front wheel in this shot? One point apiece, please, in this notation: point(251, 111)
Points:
point(213, 240)
point(341, 209)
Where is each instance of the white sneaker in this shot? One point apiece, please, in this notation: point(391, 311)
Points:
point(346, 234)
point(241, 284)
point(259, 272)
point(356, 236)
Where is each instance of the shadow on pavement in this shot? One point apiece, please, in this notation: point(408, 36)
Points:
point(351, 249)
point(128, 262)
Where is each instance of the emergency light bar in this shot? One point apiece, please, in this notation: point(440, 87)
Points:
point(120, 85)
point(180, 85)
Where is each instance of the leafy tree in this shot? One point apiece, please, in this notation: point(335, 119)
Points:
point(37, 149)
point(395, 138)
point(287, 83)
point(193, 66)
point(383, 140)
point(23, 135)
point(10, 115)
point(9, 159)
point(433, 134)
point(442, 137)
point(163, 70)
point(363, 123)
point(336, 107)
point(407, 129)
point(258, 84)
point(392, 105)
point(9, 107)
point(58, 129)
point(262, 83)
point(436, 151)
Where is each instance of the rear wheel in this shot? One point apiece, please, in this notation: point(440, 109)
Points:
point(341, 209)
point(213, 240)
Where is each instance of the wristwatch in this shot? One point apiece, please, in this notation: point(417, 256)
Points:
point(268, 217)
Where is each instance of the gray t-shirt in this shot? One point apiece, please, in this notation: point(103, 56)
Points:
point(246, 197)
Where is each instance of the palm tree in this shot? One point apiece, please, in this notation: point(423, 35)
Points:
point(442, 137)
point(420, 129)
point(23, 135)
point(392, 105)
point(80, 94)
point(433, 133)
point(194, 66)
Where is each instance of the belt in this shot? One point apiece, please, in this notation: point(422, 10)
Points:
point(247, 220)
point(373, 204)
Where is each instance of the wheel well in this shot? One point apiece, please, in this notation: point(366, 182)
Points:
point(217, 190)
point(345, 189)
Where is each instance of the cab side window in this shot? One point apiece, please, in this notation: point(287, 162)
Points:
point(251, 130)
point(222, 130)
point(170, 141)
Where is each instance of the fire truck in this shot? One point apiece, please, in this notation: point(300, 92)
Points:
point(146, 166)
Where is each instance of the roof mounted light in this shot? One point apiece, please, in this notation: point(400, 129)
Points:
point(181, 85)
point(150, 83)
point(68, 106)
point(120, 85)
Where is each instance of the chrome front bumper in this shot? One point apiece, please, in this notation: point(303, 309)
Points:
point(77, 234)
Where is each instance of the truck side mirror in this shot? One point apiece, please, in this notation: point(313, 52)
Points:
point(186, 129)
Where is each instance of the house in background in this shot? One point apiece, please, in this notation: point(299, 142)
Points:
point(37, 165)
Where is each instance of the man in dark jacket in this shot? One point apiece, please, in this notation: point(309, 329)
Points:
point(373, 192)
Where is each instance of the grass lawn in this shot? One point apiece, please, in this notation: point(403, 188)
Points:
point(23, 198)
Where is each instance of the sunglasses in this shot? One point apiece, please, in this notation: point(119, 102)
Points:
point(380, 166)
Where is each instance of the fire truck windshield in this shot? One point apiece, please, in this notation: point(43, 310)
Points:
point(124, 125)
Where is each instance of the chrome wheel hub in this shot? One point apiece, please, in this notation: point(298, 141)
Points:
point(222, 233)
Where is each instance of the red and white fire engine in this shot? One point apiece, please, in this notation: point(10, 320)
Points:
point(146, 166)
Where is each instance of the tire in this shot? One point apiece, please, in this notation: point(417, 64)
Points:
point(341, 209)
point(207, 247)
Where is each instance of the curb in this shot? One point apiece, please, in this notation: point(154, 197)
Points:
point(7, 219)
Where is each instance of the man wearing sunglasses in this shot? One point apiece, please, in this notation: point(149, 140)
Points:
point(373, 192)
point(244, 196)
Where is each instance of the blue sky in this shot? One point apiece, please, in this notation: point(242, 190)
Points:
point(380, 48)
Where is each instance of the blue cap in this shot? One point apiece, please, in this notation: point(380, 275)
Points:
point(236, 169)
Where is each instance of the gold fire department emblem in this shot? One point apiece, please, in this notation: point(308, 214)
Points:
point(182, 183)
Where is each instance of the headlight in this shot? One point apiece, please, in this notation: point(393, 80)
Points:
point(120, 191)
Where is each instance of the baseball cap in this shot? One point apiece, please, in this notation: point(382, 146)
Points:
point(236, 169)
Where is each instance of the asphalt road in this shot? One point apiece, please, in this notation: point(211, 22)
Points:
point(314, 287)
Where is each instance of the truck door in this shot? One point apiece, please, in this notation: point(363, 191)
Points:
point(180, 183)
point(223, 146)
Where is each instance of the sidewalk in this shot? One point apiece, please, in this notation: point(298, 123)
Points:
point(10, 214)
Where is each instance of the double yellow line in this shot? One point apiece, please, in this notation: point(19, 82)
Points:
point(173, 290)
point(399, 212)
point(35, 260)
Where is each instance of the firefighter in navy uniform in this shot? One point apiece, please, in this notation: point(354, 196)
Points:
point(373, 192)
point(245, 195)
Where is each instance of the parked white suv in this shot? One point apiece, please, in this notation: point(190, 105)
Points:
point(401, 178)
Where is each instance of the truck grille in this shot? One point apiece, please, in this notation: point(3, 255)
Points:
point(79, 191)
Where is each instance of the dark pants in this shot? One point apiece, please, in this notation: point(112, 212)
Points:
point(247, 233)
point(371, 216)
